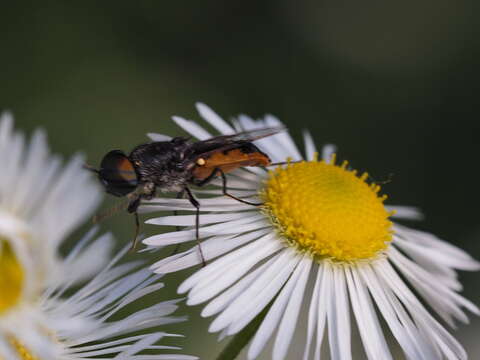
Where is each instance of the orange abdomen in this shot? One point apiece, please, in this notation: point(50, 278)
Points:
point(230, 160)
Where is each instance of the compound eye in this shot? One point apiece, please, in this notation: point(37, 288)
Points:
point(118, 174)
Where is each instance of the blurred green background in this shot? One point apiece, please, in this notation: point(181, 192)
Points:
point(393, 84)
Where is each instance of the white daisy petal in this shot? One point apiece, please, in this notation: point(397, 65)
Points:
point(337, 315)
point(242, 265)
point(327, 152)
point(324, 293)
point(256, 296)
point(446, 254)
point(369, 327)
point(188, 220)
point(284, 138)
point(268, 293)
point(289, 320)
point(405, 212)
point(216, 121)
point(445, 301)
point(246, 224)
point(203, 293)
point(211, 248)
point(159, 137)
point(408, 341)
point(419, 313)
point(259, 245)
point(310, 148)
point(6, 127)
point(210, 208)
point(224, 299)
point(254, 177)
point(274, 315)
point(244, 184)
point(192, 128)
point(313, 314)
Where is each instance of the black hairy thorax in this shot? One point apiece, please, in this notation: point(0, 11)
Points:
point(163, 163)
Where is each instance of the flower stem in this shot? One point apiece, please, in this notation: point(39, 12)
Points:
point(241, 339)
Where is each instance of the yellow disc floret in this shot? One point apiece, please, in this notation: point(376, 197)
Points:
point(11, 277)
point(21, 350)
point(328, 211)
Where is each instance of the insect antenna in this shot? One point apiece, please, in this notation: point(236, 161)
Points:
point(284, 163)
point(90, 168)
point(119, 206)
point(389, 179)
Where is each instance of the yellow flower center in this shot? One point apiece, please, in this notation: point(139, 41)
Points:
point(22, 351)
point(11, 277)
point(327, 210)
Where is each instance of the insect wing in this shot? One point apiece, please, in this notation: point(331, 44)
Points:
point(117, 173)
point(224, 141)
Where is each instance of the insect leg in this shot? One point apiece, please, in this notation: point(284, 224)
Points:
point(137, 230)
point(195, 203)
point(224, 189)
point(175, 213)
point(132, 208)
point(208, 178)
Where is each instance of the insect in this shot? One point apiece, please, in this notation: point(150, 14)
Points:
point(172, 166)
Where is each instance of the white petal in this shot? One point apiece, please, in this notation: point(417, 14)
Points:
point(429, 326)
point(189, 220)
point(442, 299)
point(6, 127)
point(211, 249)
point(143, 209)
point(368, 325)
point(327, 152)
point(313, 314)
point(432, 243)
point(242, 225)
point(159, 137)
point(231, 274)
point(192, 128)
point(409, 342)
point(338, 316)
point(262, 295)
point(216, 121)
point(325, 292)
point(310, 148)
point(284, 138)
point(271, 320)
point(228, 296)
point(256, 296)
point(405, 212)
point(217, 266)
point(290, 316)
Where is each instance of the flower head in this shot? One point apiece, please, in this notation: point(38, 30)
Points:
point(45, 311)
point(324, 243)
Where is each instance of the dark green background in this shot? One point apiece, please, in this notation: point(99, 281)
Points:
point(393, 84)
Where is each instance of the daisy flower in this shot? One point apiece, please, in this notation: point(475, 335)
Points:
point(45, 311)
point(323, 244)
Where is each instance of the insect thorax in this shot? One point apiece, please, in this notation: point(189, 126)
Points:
point(161, 164)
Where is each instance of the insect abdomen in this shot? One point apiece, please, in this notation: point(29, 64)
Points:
point(229, 160)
